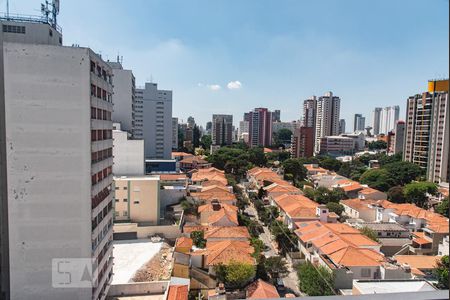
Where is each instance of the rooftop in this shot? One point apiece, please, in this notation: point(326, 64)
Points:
point(391, 286)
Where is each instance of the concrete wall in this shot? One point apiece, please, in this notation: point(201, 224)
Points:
point(47, 106)
point(128, 155)
point(168, 231)
point(139, 288)
point(171, 196)
point(35, 33)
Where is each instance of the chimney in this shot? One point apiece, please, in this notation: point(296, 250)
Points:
point(322, 213)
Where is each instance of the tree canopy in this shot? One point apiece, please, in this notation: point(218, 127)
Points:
point(369, 233)
point(442, 208)
point(295, 167)
point(377, 145)
point(395, 194)
point(198, 239)
point(235, 274)
point(315, 280)
point(416, 192)
point(379, 179)
point(282, 136)
point(442, 270)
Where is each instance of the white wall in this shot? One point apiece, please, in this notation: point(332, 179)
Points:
point(128, 155)
point(47, 103)
point(123, 97)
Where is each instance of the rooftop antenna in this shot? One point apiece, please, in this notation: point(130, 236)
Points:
point(7, 9)
point(54, 10)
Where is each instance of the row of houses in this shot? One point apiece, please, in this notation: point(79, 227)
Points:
point(341, 247)
point(225, 241)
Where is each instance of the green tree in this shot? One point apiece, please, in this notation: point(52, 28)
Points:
point(395, 194)
point(235, 274)
point(329, 163)
point(259, 247)
point(442, 208)
point(285, 238)
point(441, 272)
point(336, 208)
point(369, 233)
point(416, 192)
point(206, 141)
point(377, 145)
point(323, 195)
point(282, 136)
point(295, 167)
point(257, 157)
point(198, 239)
point(315, 280)
point(379, 179)
point(276, 266)
point(403, 172)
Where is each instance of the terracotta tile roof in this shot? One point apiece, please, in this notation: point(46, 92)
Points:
point(210, 208)
point(178, 292)
point(224, 252)
point(223, 214)
point(209, 174)
point(297, 206)
point(209, 196)
point(191, 228)
point(214, 188)
point(311, 167)
point(435, 222)
point(420, 238)
point(267, 150)
point(368, 190)
point(261, 290)
point(224, 232)
point(184, 242)
point(278, 187)
point(214, 182)
point(169, 177)
point(418, 261)
point(342, 244)
point(358, 204)
point(178, 154)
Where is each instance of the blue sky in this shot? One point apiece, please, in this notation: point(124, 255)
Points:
point(276, 53)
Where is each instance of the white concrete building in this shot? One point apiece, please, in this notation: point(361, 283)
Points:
point(55, 192)
point(128, 153)
point(327, 118)
point(156, 120)
point(388, 117)
point(124, 93)
point(337, 145)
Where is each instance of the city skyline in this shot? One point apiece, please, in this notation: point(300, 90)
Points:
point(278, 57)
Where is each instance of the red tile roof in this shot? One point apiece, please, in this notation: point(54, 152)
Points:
point(178, 292)
point(261, 290)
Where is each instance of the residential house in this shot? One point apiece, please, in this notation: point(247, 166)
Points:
point(368, 193)
point(359, 209)
point(295, 208)
point(209, 174)
point(277, 189)
point(193, 162)
point(422, 266)
point(212, 193)
point(221, 233)
point(178, 292)
point(350, 187)
point(260, 289)
point(314, 169)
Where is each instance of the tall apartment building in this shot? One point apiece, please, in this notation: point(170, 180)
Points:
point(309, 112)
point(327, 118)
point(302, 142)
point(427, 131)
point(156, 120)
point(222, 130)
point(388, 117)
point(376, 120)
point(399, 136)
point(260, 127)
point(174, 133)
point(243, 131)
point(276, 115)
point(55, 164)
point(341, 126)
point(359, 122)
point(124, 96)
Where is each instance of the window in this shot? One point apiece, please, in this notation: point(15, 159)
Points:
point(125, 200)
point(365, 272)
point(14, 29)
point(125, 187)
point(125, 214)
point(116, 213)
point(50, 32)
point(136, 202)
point(117, 200)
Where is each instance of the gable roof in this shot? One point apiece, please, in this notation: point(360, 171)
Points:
point(261, 290)
point(184, 242)
point(223, 214)
point(224, 252)
point(178, 292)
point(210, 208)
point(297, 206)
point(227, 232)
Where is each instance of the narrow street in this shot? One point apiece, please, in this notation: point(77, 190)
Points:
point(291, 280)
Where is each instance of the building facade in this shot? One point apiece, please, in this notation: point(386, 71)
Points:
point(56, 197)
point(302, 142)
point(174, 133)
point(309, 112)
point(427, 131)
point(260, 127)
point(156, 121)
point(337, 145)
point(124, 93)
point(388, 118)
point(222, 130)
point(327, 118)
point(359, 123)
point(399, 136)
point(137, 199)
point(376, 120)
point(341, 126)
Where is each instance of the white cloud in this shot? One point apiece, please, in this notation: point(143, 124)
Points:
point(214, 87)
point(234, 85)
